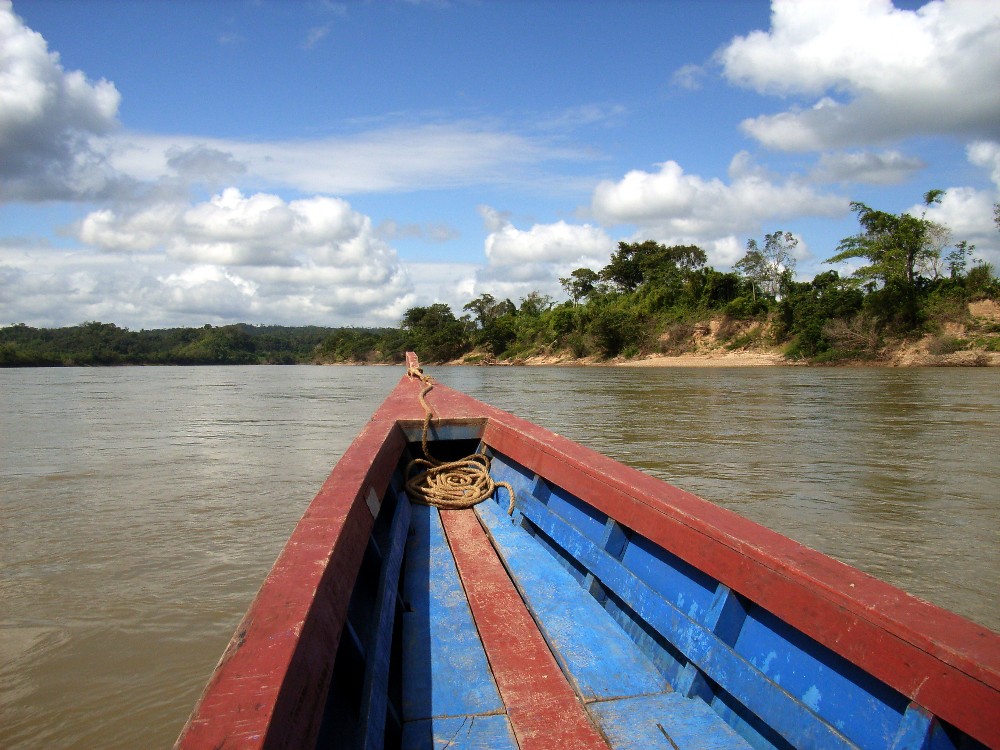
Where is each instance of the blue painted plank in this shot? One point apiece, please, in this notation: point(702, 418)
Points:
point(664, 722)
point(787, 715)
point(374, 694)
point(598, 657)
point(588, 520)
point(445, 671)
point(460, 733)
point(865, 710)
point(914, 730)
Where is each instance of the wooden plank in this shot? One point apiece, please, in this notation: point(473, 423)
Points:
point(445, 671)
point(664, 722)
point(544, 712)
point(460, 733)
point(375, 690)
point(597, 655)
point(695, 641)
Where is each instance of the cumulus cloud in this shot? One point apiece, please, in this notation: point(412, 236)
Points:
point(519, 261)
point(257, 255)
point(968, 212)
point(677, 205)
point(547, 243)
point(878, 73)
point(986, 154)
point(867, 167)
point(48, 118)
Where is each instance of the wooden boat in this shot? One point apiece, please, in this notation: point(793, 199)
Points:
point(609, 610)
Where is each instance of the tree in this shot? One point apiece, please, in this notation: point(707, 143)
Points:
point(896, 245)
point(770, 267)
point(580, 284)
point(435, 332)
point(958, 259)
point(898, 248)
point(633, 264)
point(535, 304)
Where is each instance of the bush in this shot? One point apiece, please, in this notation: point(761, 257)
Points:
point(743, 308)
point(613, 328)
point(939, 345)
point(860, 335)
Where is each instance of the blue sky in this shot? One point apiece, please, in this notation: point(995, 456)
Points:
point(181, 163)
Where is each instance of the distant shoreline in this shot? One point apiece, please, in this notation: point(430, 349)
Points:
point(908, 356)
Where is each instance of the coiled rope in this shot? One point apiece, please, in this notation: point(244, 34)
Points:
point(449, 485)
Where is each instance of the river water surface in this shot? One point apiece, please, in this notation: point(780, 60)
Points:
point(141, 508)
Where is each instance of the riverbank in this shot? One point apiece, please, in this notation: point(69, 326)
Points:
point(912, 355)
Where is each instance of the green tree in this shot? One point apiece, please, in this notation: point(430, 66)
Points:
point(436, 334)
point(633, 264)
point(770, 267)
point(898, 247)
point(580, 284)
point(535, 303)
point(486, 308)
point(958, 259)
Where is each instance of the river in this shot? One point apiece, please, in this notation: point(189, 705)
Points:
point(140, 508)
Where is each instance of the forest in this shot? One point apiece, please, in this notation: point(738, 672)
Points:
point(649, 299)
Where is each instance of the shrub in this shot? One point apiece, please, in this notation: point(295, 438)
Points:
point(939, 345)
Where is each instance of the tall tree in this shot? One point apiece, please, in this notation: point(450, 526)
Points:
point(580, 283)
point(635, 263)
point(435, 332)
point(769, 267)
point(896, 246)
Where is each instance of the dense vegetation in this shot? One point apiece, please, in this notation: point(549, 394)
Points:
point(107, 344)
point(649, 298)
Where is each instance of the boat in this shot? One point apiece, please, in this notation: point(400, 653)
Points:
point(578, 604)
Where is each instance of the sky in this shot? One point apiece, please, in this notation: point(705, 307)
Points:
point(336, 163)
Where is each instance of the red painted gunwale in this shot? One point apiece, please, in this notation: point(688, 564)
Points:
point(269, 688)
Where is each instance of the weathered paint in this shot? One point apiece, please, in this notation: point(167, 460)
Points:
point(445, 671)
point(663, 722)
point(375, 689)
point(270, 686)
point(460, 733)
point(599, 658)
point(544, 712)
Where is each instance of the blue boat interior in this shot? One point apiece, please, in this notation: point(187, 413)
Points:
point(660, 654)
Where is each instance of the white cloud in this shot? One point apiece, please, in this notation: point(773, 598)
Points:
point(676, 206)
point(690, 77)
point(895, 73)
point(986, 154)
point(454, 284)
point(967, 212)
point(867, 167)
point(547, 243)
point(48, 117)
point(388, 159)
point(259, 258)
point(521, 261)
